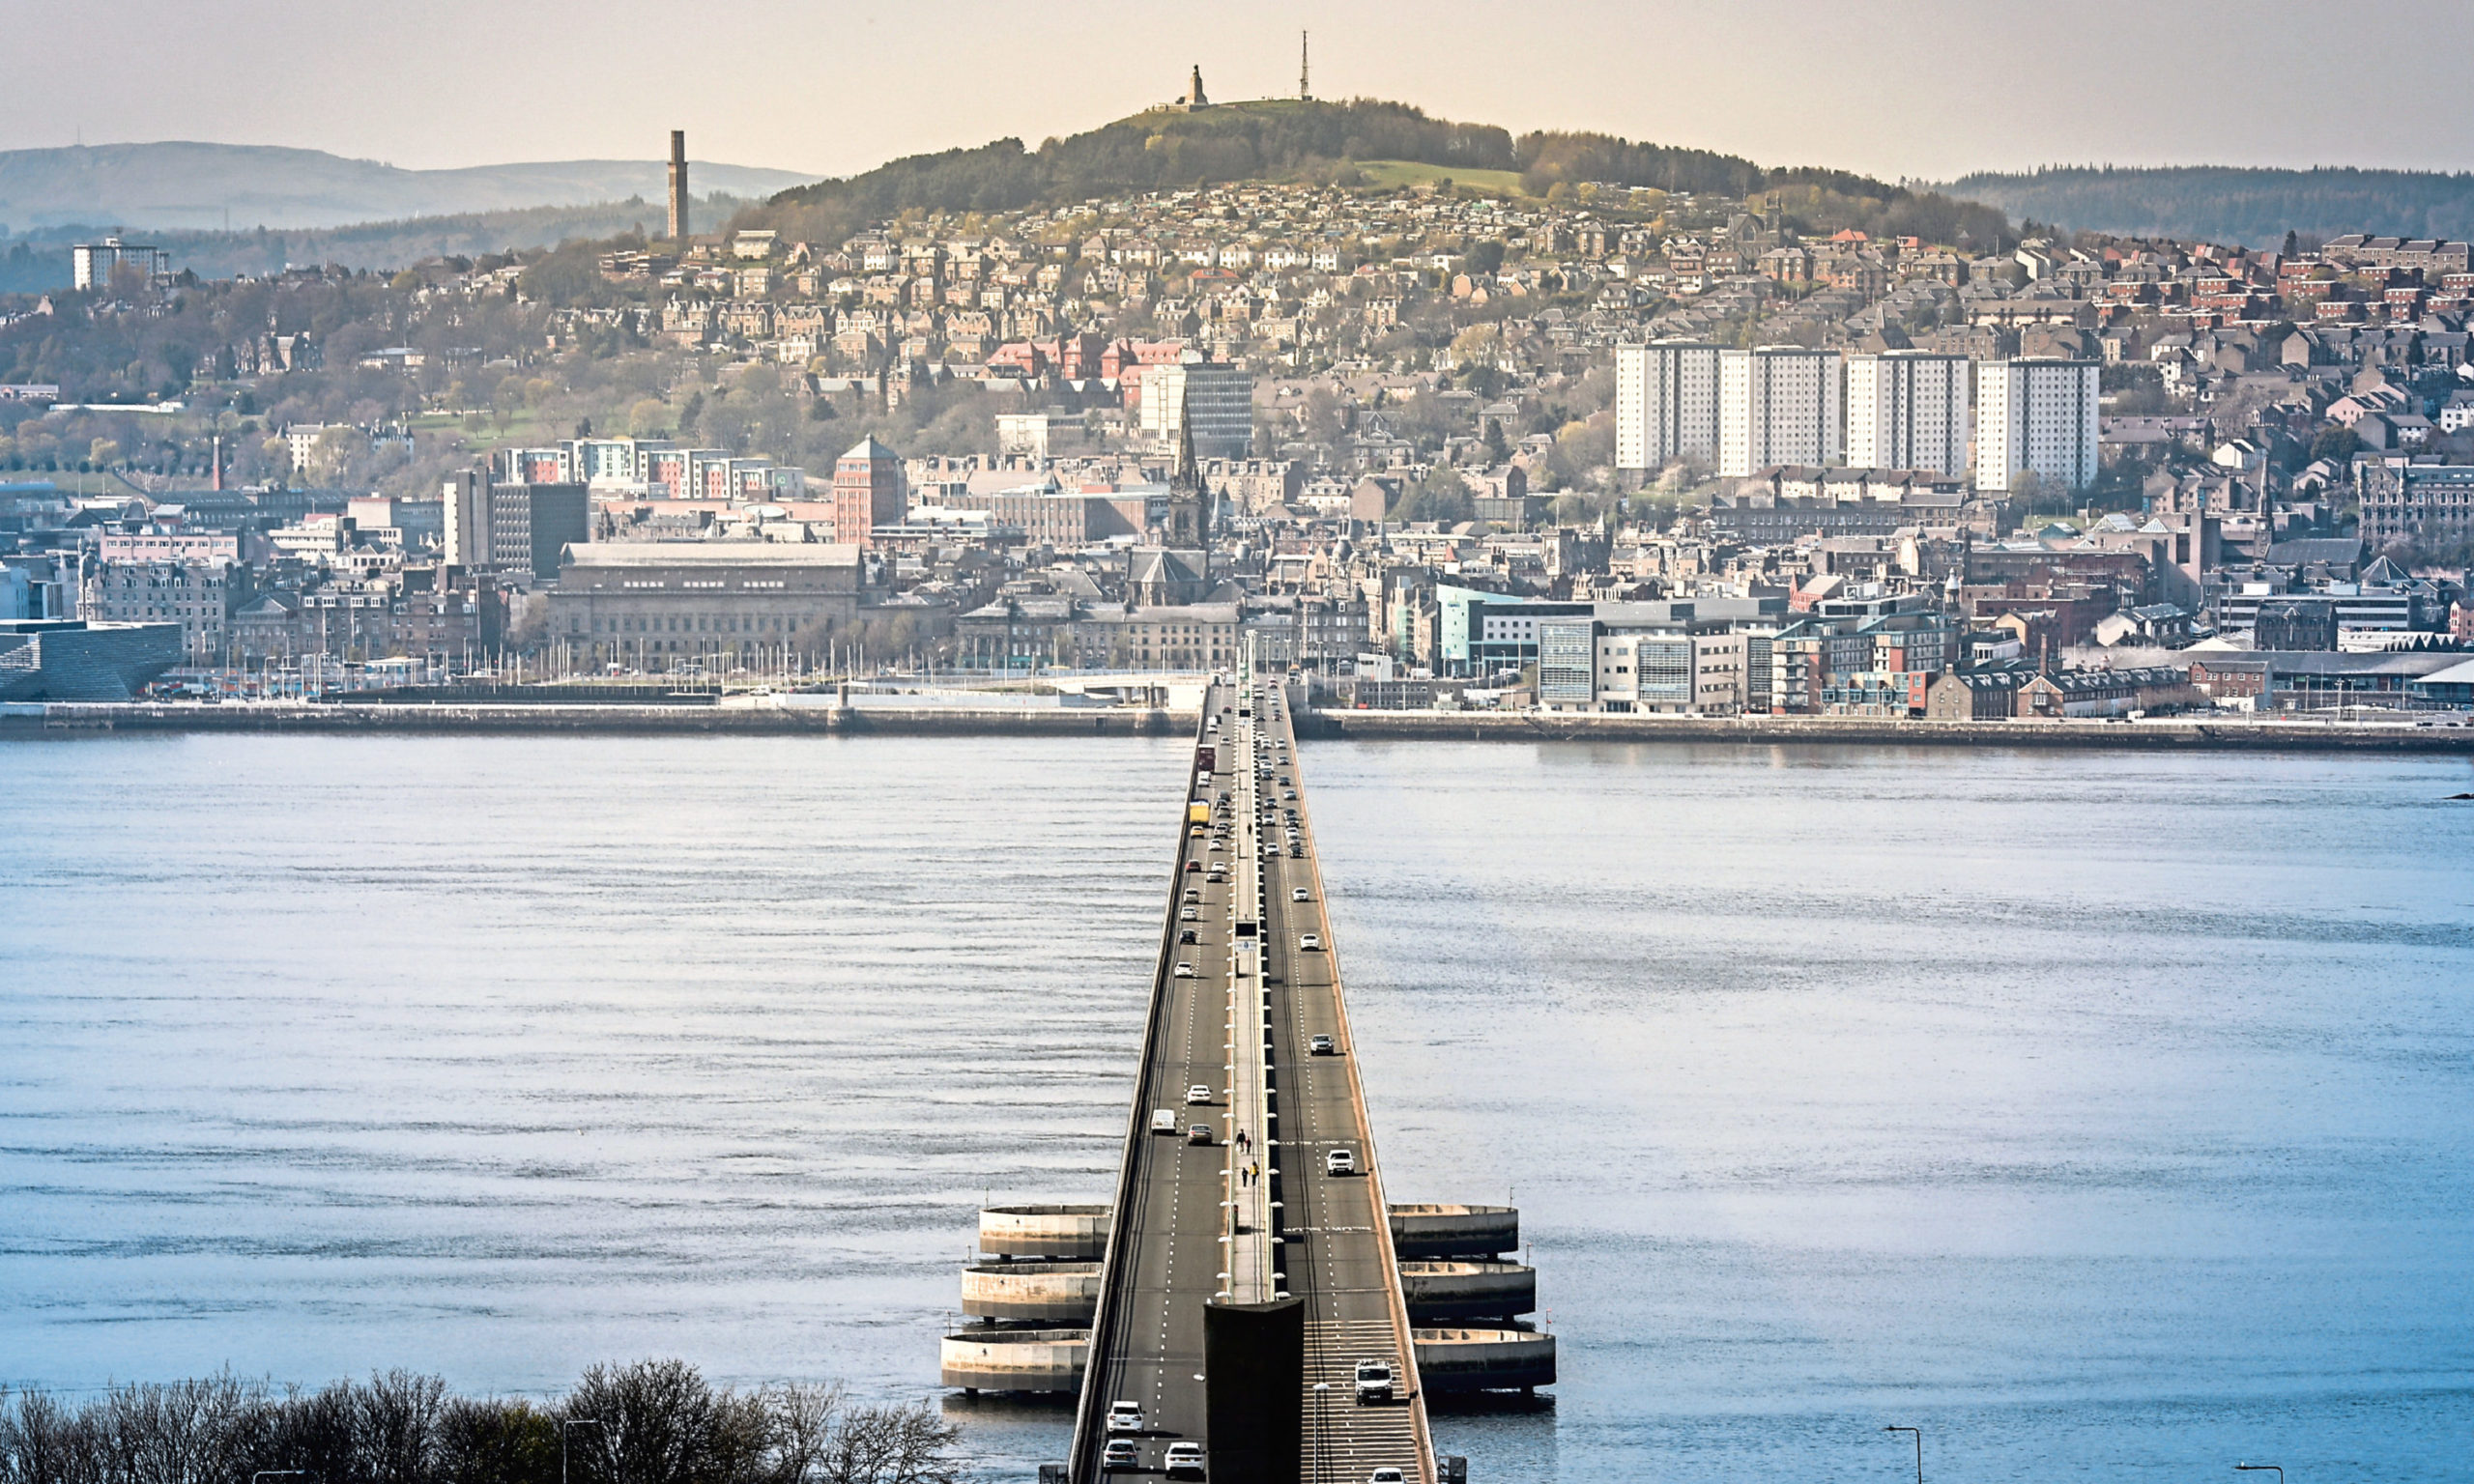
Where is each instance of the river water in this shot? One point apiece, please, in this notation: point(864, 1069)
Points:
point(2102, 1115)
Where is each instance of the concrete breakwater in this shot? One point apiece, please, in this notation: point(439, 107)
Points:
point(2165, 733)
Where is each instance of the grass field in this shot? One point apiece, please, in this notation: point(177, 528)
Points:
point(1404, 172)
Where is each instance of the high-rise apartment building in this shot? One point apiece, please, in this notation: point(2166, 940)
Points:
point(2036, 415)
point(1217, 396)
point(91, 263)
point(1666, 404)
point(867, 492)
point(1778, 404)
point(1907, 410)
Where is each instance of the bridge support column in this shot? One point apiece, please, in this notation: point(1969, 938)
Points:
point(1255, 1369)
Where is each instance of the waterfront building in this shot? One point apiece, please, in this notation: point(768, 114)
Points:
point(193, 596)
point(72, 659)
point(666, 601)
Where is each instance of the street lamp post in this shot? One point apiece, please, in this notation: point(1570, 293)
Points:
point(2260, 1469)
point(1322, 1396)
point(1920, 1449)
point(563, 1441)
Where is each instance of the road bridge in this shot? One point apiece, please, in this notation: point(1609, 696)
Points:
point(1249, 1265)
point(1224, 1301)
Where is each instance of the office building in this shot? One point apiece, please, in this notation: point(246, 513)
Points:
point(867, 492)
point(530, 525)
point(1666, 405)
point(466, 498)
point(1217, 398)
point(1778, 404)
point(513, 527)
point(2037, 416)
point(1907, 410)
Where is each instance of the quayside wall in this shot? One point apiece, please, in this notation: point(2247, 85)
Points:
point(2160, 735)
point(2157, 734)
point(59, 719)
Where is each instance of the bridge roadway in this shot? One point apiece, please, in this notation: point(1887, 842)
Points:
point(1175, 1244)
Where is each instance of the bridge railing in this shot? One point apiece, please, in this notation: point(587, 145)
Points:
point(1090, 1412)
point(1414, 1383)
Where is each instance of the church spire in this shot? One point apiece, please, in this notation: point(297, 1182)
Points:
point(1188, 476)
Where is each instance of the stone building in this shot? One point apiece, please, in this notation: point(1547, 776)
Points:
point(661, 602)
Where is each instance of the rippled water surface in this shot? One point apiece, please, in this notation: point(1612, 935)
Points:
point(2103, 1115)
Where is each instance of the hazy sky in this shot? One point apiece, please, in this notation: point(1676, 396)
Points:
point(1929, 88)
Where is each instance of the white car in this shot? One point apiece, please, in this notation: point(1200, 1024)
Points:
point(1198, 1094)
point(1339, 1162)
point(1385, 1476)
point(1127, 1418)
point(1311, 942)
point(1298, 894)
point(1185, 971)
point(1188, 915)
point(1184, 1460)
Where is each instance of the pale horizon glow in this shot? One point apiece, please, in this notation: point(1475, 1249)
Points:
point(1929, 90)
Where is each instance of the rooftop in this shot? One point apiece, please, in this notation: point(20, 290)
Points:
point(711, 553)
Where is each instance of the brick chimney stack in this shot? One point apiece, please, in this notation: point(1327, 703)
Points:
point(679, 186)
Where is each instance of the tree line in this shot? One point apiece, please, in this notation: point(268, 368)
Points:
point(648, 1422)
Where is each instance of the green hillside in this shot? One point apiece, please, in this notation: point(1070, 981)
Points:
point(1362, 141)
point(1385, 173)
point(1153, 151)
point(2224, 204)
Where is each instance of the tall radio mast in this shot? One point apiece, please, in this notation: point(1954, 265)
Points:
point(1304, 94)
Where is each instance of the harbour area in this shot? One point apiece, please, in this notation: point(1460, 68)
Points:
point(1001, 714)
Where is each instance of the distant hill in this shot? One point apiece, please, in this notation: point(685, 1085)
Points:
point(1292, 140)
point(2223, 204)
point(1269, 140)
point(40, 264)
point(159, 187)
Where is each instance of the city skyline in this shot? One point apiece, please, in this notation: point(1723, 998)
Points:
point(1779, 82)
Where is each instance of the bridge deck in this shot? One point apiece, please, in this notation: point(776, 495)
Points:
point(1174, 1243)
